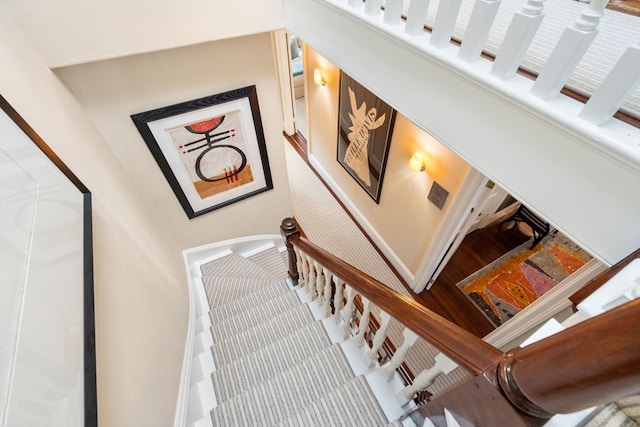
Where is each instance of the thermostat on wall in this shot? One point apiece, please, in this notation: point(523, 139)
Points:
point(438, 195)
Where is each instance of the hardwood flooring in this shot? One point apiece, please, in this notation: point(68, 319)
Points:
point(478, 249)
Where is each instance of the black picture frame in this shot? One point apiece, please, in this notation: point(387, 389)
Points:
point(363, 140)
point(211, 150)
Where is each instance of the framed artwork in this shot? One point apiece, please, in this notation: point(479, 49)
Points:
point(211, 150)
point(365, 125)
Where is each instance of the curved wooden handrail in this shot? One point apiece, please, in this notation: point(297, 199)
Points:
point(458, 344)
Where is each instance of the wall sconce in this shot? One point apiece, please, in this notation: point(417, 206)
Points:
point(318, 78)
point(417, 162)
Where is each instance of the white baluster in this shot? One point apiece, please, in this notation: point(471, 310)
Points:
point(443, 365)
point(318, 286)
point(327, 292)
point(363, 325)
point(348, 312)
point(517, 39)
point(392, 12)
point(338, 302)
point(568, 51)
point(300, 267)
point(444, 23)
point(354, 3)
point(409, 339)
point(416, 16)
point(311, 285)
point(378, 338)
point(616, 88)
point(477, 31)
point(372, 7)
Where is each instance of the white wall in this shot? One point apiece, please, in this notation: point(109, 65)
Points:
point(581, 178)
point(66, 32)
point(112, 90)
point(139, 228)
point(405, 221)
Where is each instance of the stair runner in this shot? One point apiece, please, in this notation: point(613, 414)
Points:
point(275, 363)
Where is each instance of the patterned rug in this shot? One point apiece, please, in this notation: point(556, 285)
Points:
point(515, 280)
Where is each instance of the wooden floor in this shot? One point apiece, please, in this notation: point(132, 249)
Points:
point(478, 249)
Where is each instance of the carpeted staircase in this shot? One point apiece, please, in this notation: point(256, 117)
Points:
point(276, 363)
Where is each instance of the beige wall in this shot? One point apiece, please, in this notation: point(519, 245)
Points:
point(113, 90)
point(139, 228)
point(405, 219)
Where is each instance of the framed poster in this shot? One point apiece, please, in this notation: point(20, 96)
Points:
point(365, 125)
point(211, 150)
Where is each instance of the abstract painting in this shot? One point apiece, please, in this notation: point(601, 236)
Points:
point(211, 150)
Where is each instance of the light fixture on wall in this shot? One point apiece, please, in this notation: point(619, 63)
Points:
point(318, 78)
point(417, 162)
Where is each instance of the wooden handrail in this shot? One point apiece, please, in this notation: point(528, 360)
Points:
point(461, 346)
point(596, 361)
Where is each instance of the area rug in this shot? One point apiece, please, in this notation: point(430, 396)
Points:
point(515, 280)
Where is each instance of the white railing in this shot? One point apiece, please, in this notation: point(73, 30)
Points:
point(517, 40)
point(328, 289)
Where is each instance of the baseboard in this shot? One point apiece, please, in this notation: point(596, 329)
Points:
point(371, 232)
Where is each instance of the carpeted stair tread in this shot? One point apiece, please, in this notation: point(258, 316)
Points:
point(258, 314)
point(353, 404)
point(250, 300)
point(234, 265)
point(226, 351)
point(271, 260)
point(266, 362)
point(224, 290)
point(283, 395)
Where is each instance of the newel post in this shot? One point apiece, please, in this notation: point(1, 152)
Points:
point(288, 229)
point(592, 363)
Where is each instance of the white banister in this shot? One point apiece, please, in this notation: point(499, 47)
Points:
point(338, 299)
point(616, 88)
point(445, 23)
point(311, 284)
point(568, 51)
point(348, 312)
point(378, 338)
point(416, 16)
point(354, 3)
point(520, 33)
point(328, 277)
point(372, 7)
point(410, 338)
point(443, 366)
point(392, 12)
point(477, 31)
point(363, 325)
point(318, 286)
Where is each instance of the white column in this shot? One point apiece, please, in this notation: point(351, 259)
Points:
point(477, 31)
point(619, 84)
point(328, 277)
point(348, 312)
point(444, 23)
point(443, 365)
point(372, 7)
point(416, 17)
point(409, 339)
point(338, 302)
point(379, 337)
point(392, 12)
point(570, 49)
point(517, 39)
point(363, 325)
